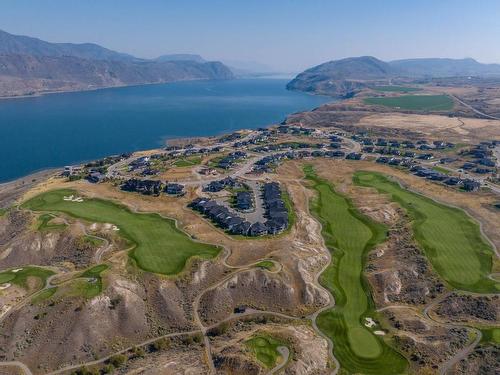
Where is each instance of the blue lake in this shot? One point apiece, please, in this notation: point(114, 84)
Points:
point(60, 129)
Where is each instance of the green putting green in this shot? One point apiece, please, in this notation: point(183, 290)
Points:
point(414, 102)
point(349, 236)
point(265, 349)
point(449, 237)
point(159, 246)
point(19, 276)
point(267, 264)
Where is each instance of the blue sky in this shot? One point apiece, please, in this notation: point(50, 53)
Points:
point(288, 35)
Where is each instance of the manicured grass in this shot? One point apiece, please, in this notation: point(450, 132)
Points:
point(20, 277)
point(396, 88)
point(491, 335)
point(290, 209)
point(159, 246)
point(88, 284)
point(349, 236)
point(267, 264)
point(265, 349)
point(86, 288)
point(95, 271)
point(214, 162)
point(188, 162)
point(414, 102)
point(44, 223)
point(450, 239)
point(43, 295)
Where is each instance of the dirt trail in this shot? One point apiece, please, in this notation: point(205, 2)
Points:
point(21, 365)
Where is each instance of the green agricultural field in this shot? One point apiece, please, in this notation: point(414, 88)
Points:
point(20, 277)
point(414, 102)
point(349, 236)
point(396, 89)
point(158, 245)
point(265, 349)
point(188, 162)
point(449, 237)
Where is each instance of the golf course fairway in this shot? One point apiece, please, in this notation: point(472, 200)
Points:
point(451, 240)
point(349, 236)
point(159, 246)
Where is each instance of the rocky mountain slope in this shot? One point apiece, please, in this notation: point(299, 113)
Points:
point(347, 76)
point(29, 65)
point(181, 57)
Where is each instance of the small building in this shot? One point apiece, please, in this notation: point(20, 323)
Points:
point(244, 201)
point(353, 156)
point(275, 226)
point(242, 228)
point(382, 160)
point(257, 229)
point(71, 170)
point(452, 181)
point(174, 189)
point(213, 187)
point(471, 185)
point(95, 177)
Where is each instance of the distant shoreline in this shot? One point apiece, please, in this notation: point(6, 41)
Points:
point(10, 191)
point(66, 91)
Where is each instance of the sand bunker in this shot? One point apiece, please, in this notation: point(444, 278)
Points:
point(369, 322)
point(72, 198)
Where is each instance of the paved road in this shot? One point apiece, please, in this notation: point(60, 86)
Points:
point(474, 109)
point(285, 354)
point(464, 352)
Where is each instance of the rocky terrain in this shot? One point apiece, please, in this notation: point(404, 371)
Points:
point(346, 77)
point(483, 360)
point(464, 308)
point(29, 66)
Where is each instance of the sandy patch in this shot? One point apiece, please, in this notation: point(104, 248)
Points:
point(369, 322)
point(458, 129)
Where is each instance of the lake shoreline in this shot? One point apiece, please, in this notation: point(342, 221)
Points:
point(10, 191)
point(82, 89)
point(59, 130)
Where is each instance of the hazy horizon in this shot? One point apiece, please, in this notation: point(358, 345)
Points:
point(286, 36)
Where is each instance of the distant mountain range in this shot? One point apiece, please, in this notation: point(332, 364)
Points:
point(344, 77)
point(29, 66)
point(182, 57)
